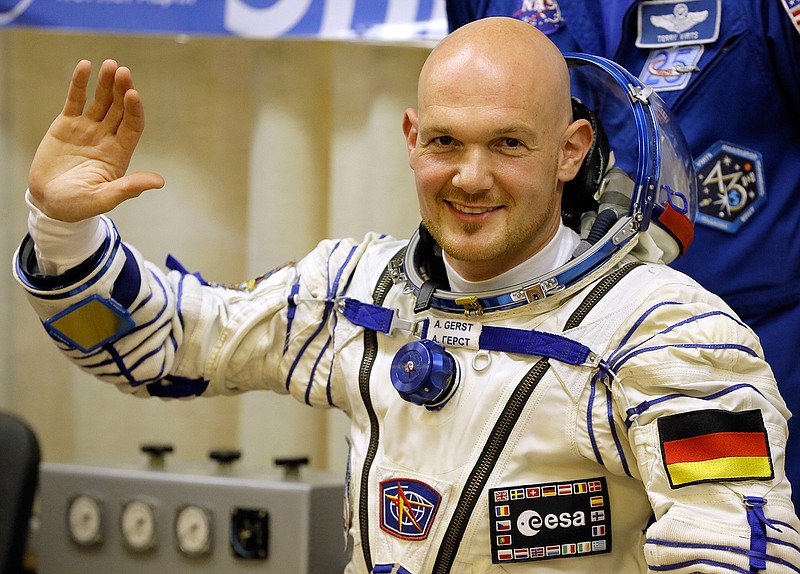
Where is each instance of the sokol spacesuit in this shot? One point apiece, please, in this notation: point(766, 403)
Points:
point(606, 416)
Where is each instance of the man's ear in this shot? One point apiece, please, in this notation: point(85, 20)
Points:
point(410, 129)
point(575, 145)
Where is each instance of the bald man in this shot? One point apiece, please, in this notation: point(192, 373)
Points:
point(624, 421)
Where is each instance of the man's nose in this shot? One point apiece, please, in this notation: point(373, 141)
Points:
point(474, 173)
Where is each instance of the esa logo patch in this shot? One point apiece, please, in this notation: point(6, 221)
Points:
point(551, 520)
point(543, 14)
point(730, 184)
point(408, 508)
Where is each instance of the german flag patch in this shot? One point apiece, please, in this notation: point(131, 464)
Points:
point(715, 446)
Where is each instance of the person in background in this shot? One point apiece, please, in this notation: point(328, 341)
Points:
point(515, 405)
point(730, 72)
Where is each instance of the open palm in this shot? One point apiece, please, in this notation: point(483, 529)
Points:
point(79, 169)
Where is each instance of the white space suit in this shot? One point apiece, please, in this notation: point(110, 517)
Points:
point(533, 462)
point(621, 420)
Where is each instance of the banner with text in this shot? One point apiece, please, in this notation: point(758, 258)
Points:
point(388, 20)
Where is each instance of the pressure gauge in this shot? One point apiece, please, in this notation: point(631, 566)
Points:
point(193, 530)
point(138, 525)
point(85, 520)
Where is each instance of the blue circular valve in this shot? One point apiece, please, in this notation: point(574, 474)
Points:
point(423, 372)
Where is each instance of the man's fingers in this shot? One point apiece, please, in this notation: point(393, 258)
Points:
point(104, 92)
point(132, 124)
point(123, 83)
point(76, 93)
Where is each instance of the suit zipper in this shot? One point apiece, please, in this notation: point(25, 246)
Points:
point(599, 291)
point(486, 462)
point(368, 360)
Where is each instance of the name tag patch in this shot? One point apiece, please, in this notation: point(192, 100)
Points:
point(730, 184)
point(455, 333)
point(673, 23)
point(550, 520)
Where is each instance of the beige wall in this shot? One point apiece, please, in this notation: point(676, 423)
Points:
point(266, 147)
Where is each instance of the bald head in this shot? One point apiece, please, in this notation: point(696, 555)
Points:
point(492, 143)
point(503, 59)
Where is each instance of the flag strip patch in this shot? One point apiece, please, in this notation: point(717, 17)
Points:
point(715, 445)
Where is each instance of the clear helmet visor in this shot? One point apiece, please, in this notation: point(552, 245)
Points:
point(647, 146)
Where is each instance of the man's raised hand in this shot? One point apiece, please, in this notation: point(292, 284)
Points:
point(79, 168)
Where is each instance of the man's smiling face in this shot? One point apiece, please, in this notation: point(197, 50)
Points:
point(487, 146)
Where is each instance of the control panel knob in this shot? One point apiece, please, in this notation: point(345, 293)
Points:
point(156, 453)
point(225, 457)
point(291, 465)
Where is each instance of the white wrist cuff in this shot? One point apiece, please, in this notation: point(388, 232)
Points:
point(59, 245)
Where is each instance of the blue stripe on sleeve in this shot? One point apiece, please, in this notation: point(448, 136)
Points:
point(331, 295)
point(128, 282)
